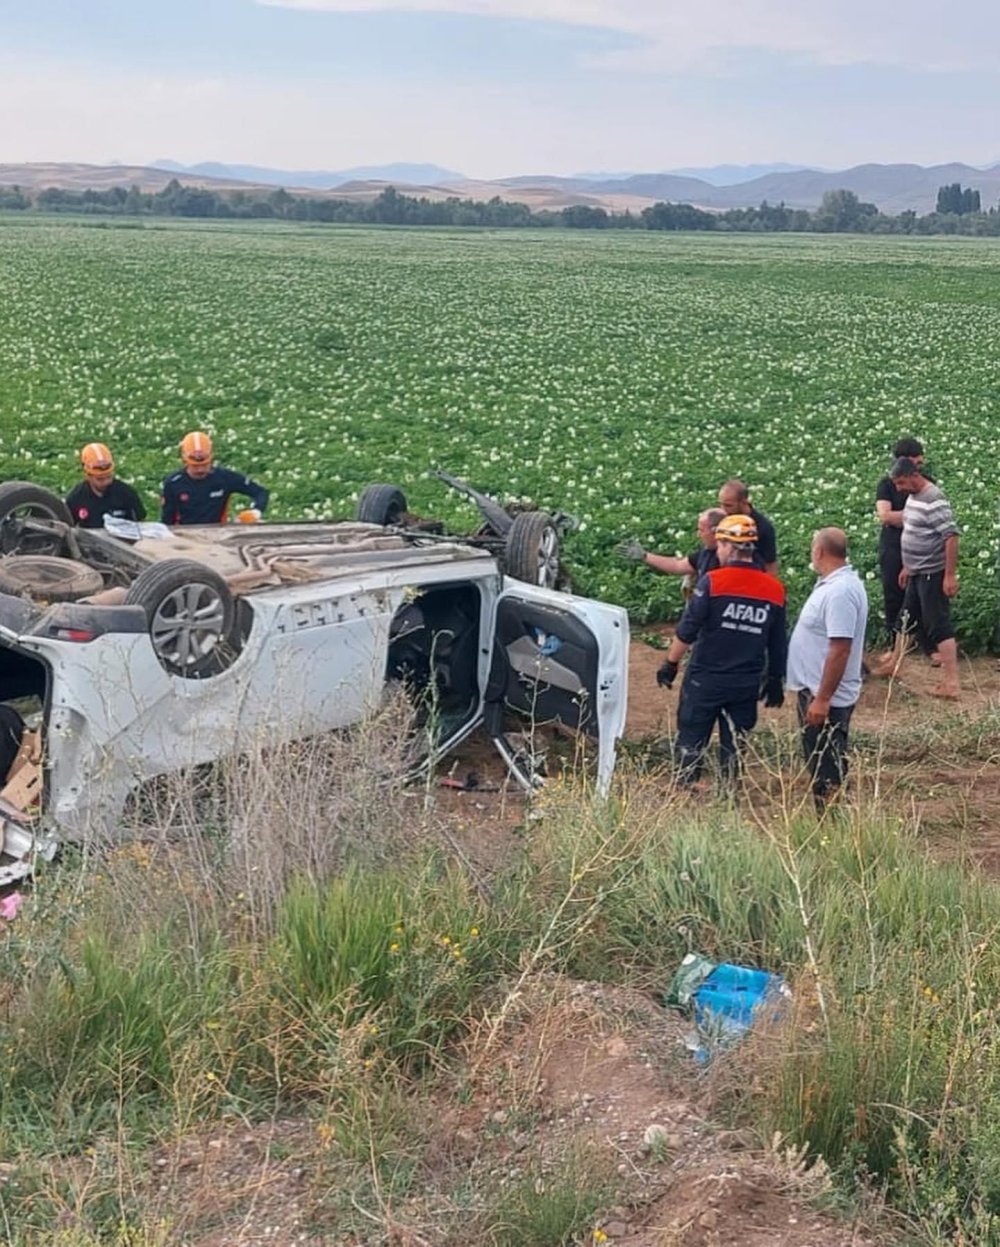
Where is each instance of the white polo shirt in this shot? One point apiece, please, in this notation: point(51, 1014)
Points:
point(836, 609)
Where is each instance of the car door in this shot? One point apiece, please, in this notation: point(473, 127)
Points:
point(557, 657)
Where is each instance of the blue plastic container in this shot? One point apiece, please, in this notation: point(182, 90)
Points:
point(725, 1004)
point(728, 977)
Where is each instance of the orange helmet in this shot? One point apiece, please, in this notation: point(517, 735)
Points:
point(738, 529)
point(196, 448)
point(97, 461)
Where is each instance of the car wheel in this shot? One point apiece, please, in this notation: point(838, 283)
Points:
point(381, 504)
point(21, 498)
point(532, 550)
point(21, 501)
point(191, 611)
point(44, 578)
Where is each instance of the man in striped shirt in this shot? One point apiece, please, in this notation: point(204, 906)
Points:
point(930, 570)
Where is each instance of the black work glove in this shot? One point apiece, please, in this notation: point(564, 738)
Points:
point(666, 674)
point(774, 693)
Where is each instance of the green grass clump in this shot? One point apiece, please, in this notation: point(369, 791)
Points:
point(554, 1208)
point(887, 1063)
point(139, 1020)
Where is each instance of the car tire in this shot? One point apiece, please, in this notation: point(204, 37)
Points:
point(45, 578)
point(381, 504)
point(22, 498)
point(191, 613)
point(532, 549)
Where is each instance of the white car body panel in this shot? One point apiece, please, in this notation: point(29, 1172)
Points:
point(314, 660)
point(609, 625)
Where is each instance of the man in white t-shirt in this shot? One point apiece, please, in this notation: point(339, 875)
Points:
point(824, 662)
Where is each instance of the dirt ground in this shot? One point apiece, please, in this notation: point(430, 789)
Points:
point(905, 701)
point(582, 1070)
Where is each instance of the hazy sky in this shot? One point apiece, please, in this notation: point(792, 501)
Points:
point(495, 87)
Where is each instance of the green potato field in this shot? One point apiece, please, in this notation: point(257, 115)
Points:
point(618, 376)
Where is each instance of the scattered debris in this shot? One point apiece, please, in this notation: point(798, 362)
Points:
point(10, 905)
point(725, 1000)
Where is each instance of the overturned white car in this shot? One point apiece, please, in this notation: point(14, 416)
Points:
point(134, 656)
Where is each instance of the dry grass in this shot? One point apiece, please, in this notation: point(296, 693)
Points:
point(243, 829)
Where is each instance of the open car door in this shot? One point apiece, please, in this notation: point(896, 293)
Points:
point(557, 657)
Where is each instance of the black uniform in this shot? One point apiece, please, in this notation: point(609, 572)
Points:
point(89, 508)
point(736, 622)
point(206, 501)
point(890, 558)
point(703, 560)
point(767, 541)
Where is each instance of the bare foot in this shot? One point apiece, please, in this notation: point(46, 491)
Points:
point(935, 659)
point(884, 670)
point(947, 691)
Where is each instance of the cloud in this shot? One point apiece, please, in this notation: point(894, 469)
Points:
point(676, 35)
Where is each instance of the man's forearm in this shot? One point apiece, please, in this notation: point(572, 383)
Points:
point(951, 555)
point(669, 566)
point(678, 649)
point(833, 669)
point(887, 516)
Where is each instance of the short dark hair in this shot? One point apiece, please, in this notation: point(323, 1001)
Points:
point(714, 515)
point(903, 467)
point(907, 448)
point(739, 488)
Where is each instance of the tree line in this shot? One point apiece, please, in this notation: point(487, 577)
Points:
point(958, 211)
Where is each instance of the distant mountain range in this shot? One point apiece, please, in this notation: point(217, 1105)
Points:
point(892, 187)
point(734, 175)
point(435, 175)
point(318, 179)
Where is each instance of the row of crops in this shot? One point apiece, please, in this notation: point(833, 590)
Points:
point(621, 378)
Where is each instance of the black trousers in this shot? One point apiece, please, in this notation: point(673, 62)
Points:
point(825, 747)
point(927, 604)
point(703, 704)
point(890, 562)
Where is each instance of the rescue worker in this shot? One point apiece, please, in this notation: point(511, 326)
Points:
point(735, 622)
point(200, 492)
point(100, 493)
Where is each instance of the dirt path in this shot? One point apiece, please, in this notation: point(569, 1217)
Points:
point(904, 702)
